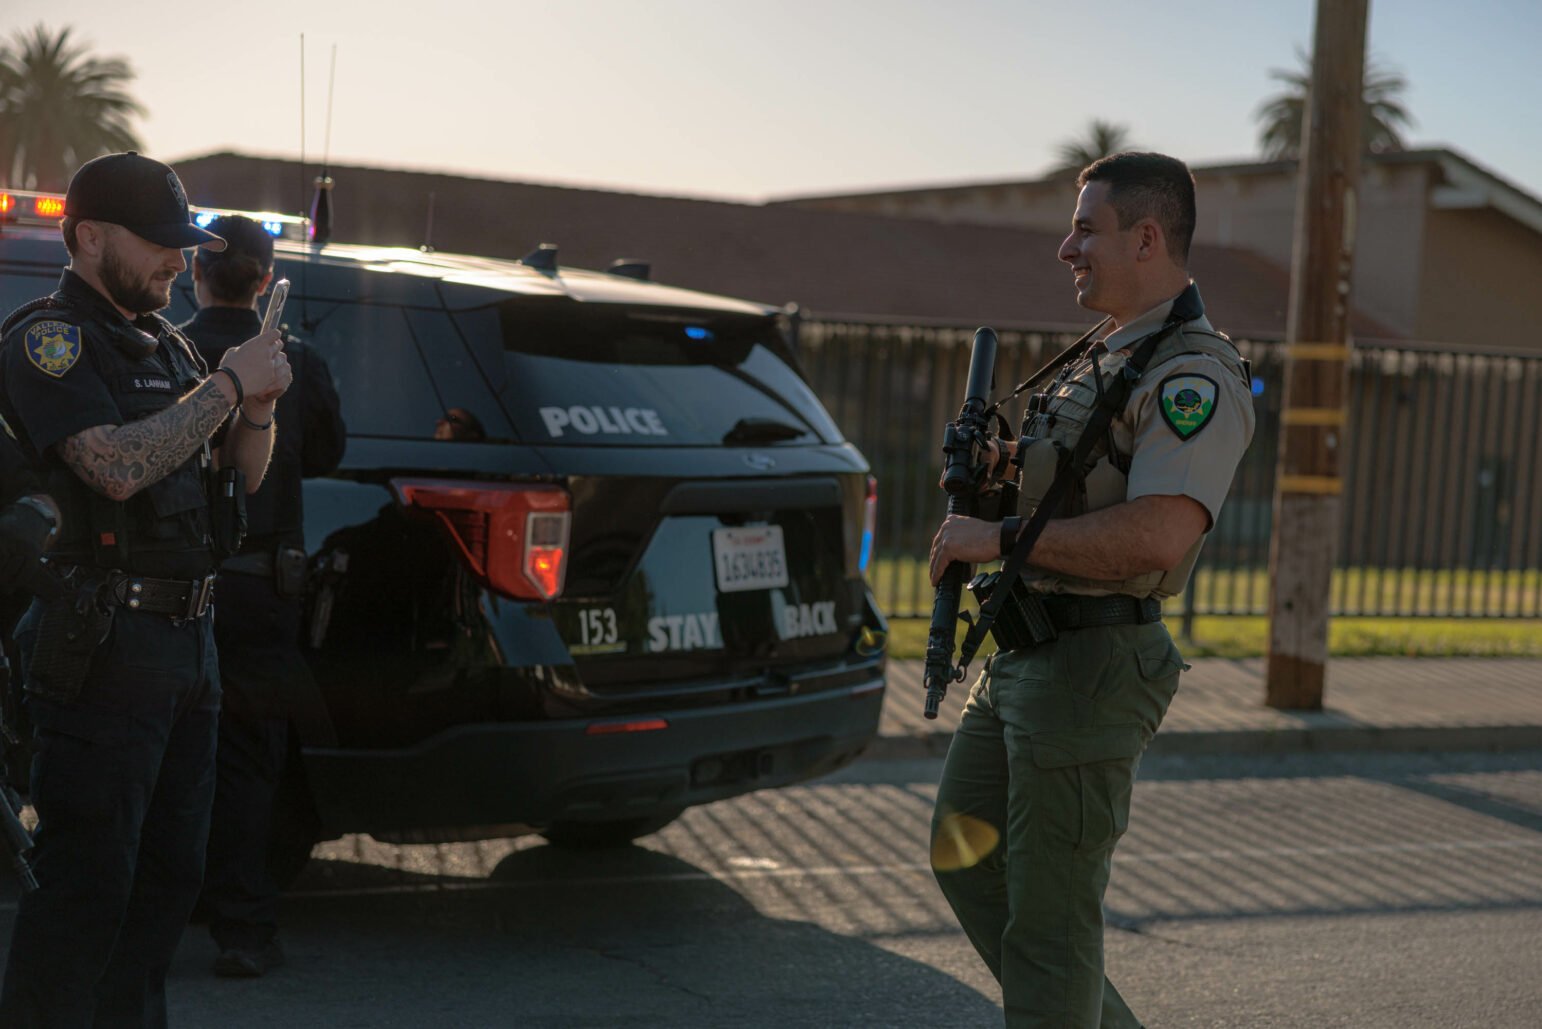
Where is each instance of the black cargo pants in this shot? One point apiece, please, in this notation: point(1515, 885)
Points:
point(262, 674)
point(122, 782)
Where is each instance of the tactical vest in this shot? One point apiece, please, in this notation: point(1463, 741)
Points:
point(1056, 421)
point(163, 530)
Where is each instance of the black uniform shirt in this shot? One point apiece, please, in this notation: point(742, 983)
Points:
point(309, 432)
point(69, 369)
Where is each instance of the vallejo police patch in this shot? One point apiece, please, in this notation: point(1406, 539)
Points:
point(1188, 401)
point(53, 347)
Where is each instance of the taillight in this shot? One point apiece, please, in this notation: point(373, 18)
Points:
point(514, 538)
point(869, 523)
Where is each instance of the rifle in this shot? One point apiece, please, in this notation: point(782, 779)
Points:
point(963, 442)
point(14, 837)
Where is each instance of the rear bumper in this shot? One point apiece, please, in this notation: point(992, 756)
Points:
point(539, 772)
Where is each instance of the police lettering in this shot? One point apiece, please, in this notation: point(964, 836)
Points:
point(800, 620)
point(684, 632)
point(612, 421)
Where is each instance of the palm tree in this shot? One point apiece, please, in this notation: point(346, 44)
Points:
point(1281, 117)
point(1102, 138)
point(60, 107)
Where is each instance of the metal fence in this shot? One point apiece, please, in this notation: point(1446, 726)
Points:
point(1442, 491)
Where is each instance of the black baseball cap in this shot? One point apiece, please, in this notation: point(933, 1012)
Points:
point(244, 237)
point(142, 195)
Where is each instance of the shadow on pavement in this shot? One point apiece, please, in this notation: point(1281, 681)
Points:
point(556, 938)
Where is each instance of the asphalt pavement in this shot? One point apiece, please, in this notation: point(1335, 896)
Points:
point(1374, 865)
point(1376, 703)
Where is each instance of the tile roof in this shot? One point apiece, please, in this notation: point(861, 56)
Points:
point(833, 264)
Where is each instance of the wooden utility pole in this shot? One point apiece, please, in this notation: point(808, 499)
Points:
point(1313, 415)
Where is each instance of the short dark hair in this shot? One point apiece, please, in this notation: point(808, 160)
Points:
point(233, 274)
point(1148, 185)
point(67, 227)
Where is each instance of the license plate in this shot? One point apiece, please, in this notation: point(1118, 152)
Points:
point(749, 559)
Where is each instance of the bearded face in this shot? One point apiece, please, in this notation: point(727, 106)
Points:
point(136, 273)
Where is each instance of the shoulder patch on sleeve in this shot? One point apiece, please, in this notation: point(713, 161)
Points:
point(1188, 402)
point(52, 347)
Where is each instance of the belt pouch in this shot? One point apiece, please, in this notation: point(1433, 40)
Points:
point(1022, 621)
point(289, 567)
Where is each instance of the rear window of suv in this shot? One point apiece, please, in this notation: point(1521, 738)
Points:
point(570, 373)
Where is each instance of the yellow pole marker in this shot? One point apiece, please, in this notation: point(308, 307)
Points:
point(1319, 484)
point(1333, 416)
point(1317, 351)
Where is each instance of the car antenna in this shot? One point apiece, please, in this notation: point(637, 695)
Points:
point(428, 228)
point(305, 309)
point(321, 204)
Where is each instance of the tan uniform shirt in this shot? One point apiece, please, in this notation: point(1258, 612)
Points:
point(1163, 461)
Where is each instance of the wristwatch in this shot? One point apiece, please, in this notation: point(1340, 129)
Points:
point(1011, 525)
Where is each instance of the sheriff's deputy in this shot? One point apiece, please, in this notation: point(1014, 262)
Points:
point(120, 412)
point(263, 675)
point(1039, 774)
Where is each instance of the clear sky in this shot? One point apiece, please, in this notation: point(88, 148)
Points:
point(749, 99)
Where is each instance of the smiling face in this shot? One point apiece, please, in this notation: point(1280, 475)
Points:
point(1104, 258)
point(136, 274)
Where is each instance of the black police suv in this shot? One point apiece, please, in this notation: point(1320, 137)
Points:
point(595, 552)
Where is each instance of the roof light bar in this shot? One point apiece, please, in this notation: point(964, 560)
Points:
point(28, 207)
point(279, 226)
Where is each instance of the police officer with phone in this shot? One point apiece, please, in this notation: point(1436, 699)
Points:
point(263, 674)
point(134, 437)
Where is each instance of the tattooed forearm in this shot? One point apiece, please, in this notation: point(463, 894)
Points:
point(120, 461)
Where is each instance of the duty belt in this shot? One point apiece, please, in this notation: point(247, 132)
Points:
point(1068, 611)
point(1029, 619)
point(180, 598)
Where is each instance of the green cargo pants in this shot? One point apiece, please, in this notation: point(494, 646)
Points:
point(1045, 755)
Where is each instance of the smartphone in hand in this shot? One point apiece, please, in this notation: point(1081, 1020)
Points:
point(276, 305)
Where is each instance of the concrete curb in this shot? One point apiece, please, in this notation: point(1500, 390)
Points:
point(1491, 738)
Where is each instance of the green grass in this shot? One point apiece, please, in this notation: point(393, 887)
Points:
point(900, 585)
point(1347, 637)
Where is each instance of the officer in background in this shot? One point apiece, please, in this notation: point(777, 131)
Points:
point(1039, 774)
point(258, 629)
point(122, 682)
point(29, 518)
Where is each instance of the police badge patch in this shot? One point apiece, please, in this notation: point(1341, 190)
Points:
point(1187, 403)
point(53, 347)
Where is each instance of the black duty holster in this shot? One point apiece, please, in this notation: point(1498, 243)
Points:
point(1022, 621)
point(69, 631)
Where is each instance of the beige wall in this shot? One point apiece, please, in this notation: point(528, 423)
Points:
point(1257, 212)
point(1481, 274)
